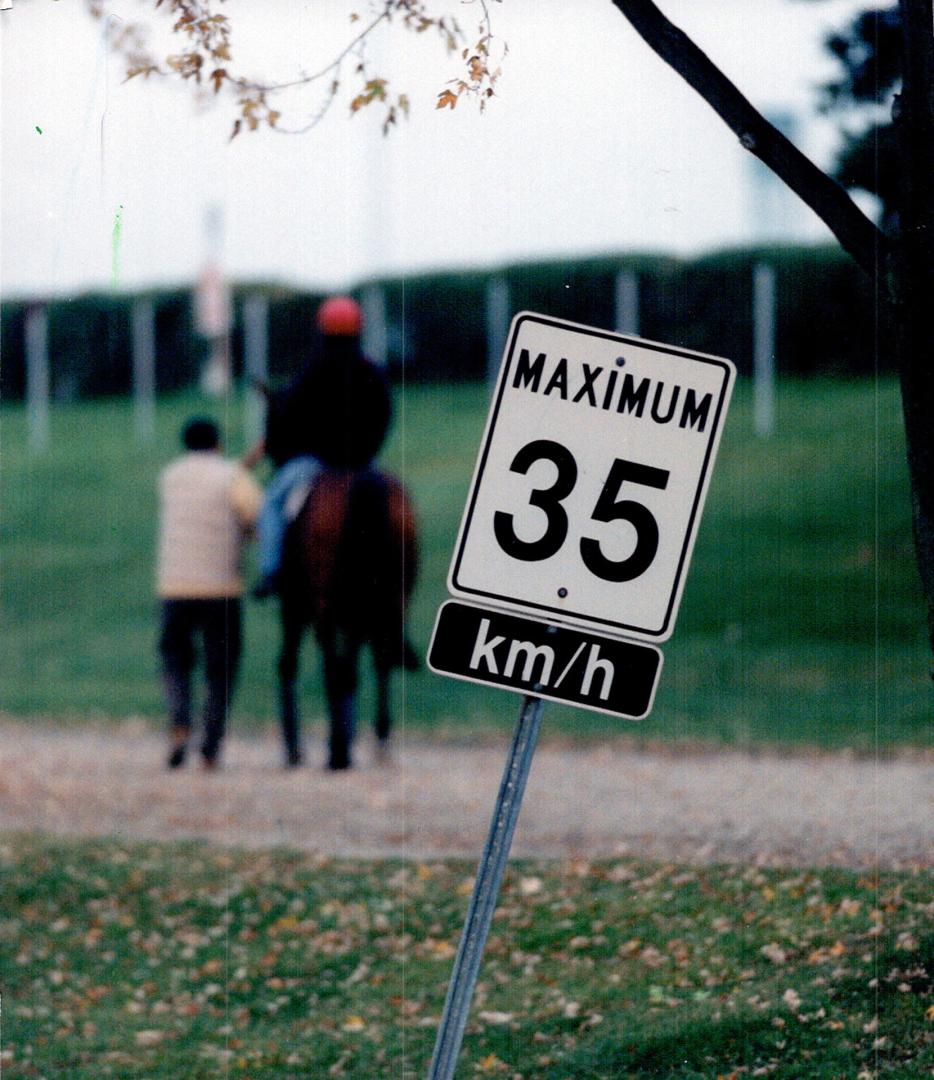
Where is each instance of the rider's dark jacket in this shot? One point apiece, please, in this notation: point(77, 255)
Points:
point(338, 409)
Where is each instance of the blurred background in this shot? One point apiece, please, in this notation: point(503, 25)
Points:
point(150, 265)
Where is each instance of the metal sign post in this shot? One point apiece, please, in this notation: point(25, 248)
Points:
point(576, 536)
point(485, 891)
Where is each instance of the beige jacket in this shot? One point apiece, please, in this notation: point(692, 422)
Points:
point(207, 506)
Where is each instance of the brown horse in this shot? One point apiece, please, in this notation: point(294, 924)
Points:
point(349, 567)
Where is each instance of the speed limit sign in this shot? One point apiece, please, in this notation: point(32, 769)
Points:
point(591, 477)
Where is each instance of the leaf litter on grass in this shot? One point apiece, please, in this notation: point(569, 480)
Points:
point(184, 960)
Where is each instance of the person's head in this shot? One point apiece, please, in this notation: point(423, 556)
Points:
point(200, 433)
point(340, 316)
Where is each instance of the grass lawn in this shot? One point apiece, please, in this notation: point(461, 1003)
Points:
point(169, 961)
point(801, 622)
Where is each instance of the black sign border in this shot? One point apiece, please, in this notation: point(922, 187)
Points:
point(563, 614)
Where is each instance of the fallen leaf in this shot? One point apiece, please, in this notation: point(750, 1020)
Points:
point(774, 952)
point(149, 1037)
point(491, 1063)
point(490, 1017)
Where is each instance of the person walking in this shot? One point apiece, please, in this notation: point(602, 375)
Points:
point(208, 505)
point(335, 414)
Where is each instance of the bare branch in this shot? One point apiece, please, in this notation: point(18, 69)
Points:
point(856, 233)
point(335, 64)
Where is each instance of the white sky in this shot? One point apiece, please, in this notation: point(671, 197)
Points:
point(592, 145)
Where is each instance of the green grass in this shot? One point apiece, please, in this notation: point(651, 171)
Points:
point(182, 960)
point(801, 621)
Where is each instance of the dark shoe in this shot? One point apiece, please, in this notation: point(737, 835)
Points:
point(209, 763)
point(178, 748)
point(294, 759)
point(267, 586)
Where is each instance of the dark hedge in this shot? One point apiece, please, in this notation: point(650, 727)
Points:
point(437, 324)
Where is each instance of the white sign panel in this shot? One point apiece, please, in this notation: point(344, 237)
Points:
point(591, 477)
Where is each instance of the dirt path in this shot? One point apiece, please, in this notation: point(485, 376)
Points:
point(437, 800)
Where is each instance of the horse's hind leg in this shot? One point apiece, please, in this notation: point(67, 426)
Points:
point(340, 685)
point(382, 667)
point(288, 702)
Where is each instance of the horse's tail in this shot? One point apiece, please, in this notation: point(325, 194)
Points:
point(404, 528)
point(377, 561)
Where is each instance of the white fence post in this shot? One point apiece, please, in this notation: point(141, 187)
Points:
point(375, 332)
point(256, 362)
point(627, 303)
point(763, 314)
point(37, 376)
point(497, 324)
point(144, 369)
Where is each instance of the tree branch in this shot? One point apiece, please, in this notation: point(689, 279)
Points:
point(857, 234)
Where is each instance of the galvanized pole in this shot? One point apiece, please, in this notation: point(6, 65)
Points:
point(763, 314)
point(497, 325)
point(626, 302)
point(37, 376)
point(256, 361)
point(144, 369)
point(375, 339)
point(486, 889)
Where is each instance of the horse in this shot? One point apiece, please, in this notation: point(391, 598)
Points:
point(349, 567)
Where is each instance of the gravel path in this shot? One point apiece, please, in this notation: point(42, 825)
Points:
point(436, 800)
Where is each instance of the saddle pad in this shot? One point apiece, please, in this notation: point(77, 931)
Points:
point(296, 500)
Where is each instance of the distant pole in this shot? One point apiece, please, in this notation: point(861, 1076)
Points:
point(375, 334)
point(763, 315)
point(37, 376)
point(144, 370)
point(627, 302)
point(256, 362)
point(213, 306)
point(497, 324)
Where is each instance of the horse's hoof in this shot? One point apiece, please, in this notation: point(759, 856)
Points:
point(338, 766)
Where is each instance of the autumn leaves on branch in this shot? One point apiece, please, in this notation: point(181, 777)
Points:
point(206, 59)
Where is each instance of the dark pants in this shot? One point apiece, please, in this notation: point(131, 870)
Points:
point(217, 622)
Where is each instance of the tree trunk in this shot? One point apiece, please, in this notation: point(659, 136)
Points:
point(902, 270)
point(912, 275)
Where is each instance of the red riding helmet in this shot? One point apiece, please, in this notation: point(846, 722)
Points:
point(340, 316)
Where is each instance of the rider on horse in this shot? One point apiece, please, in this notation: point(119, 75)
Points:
point(334, 414)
